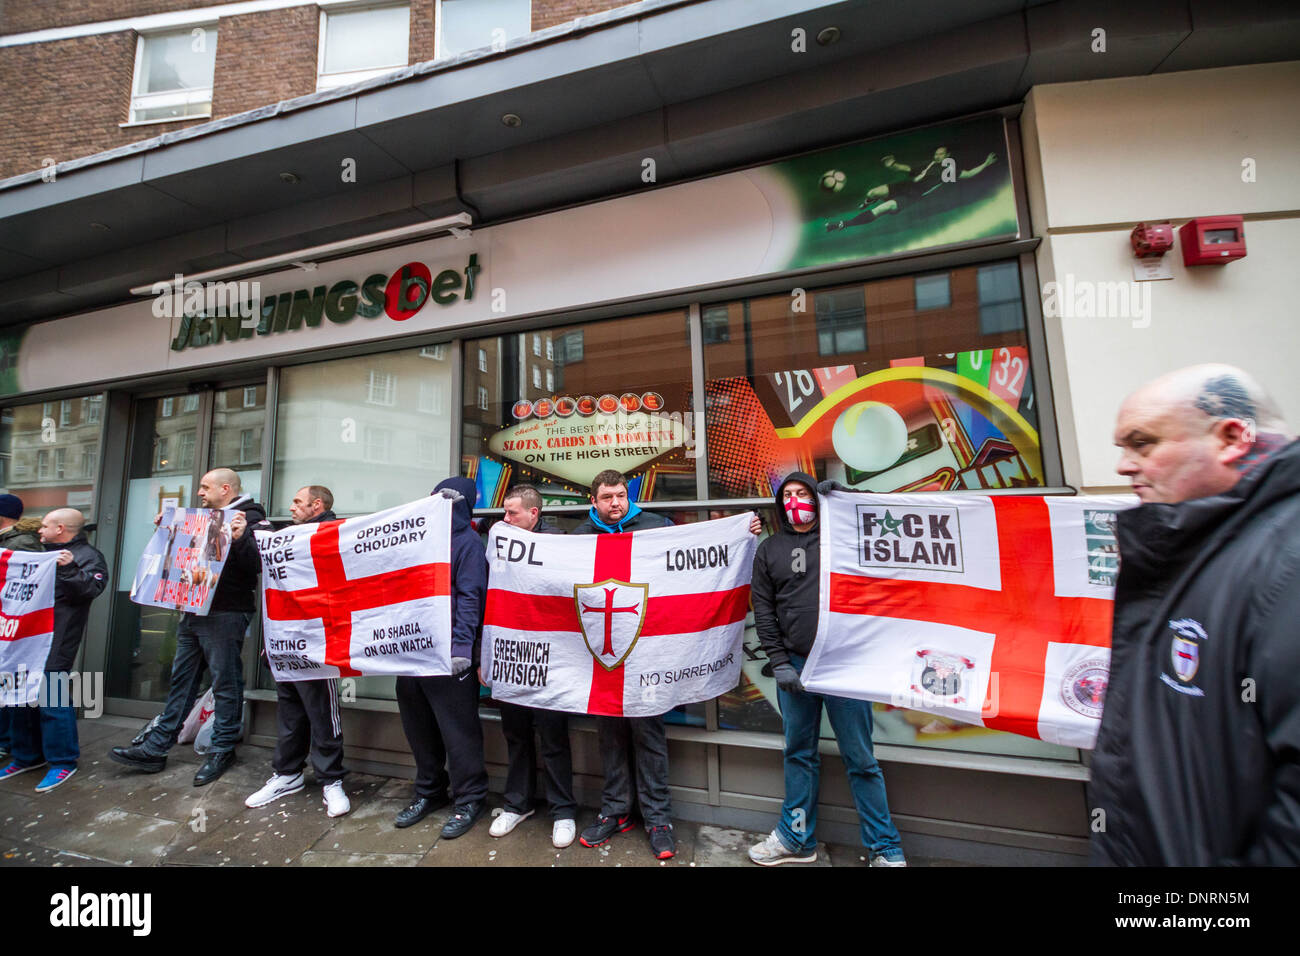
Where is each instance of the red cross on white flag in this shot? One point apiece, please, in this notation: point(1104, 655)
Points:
point(627, 625)
point(993, 611)
point(26, 622)
point(364, 596)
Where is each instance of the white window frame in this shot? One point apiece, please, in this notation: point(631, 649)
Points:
point(91, 407)
point(89, 461)
point(437, 29)
point(482, 360)
point(65, 411)
point(432, 400)
point(378, 435)
point(389, 398)
point(328, 81)
point(168, 406)
point(191, 403)
point(550, 350)
point(483, 398)
point(60, 463)
point(250, 396)
point(550, 380)
point(42, 464)
point(537, 377)
point(145, 101)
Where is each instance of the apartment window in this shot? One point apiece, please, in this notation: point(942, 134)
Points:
point(250, 446)
point(190, 403)
point(47, 411)
point(550, 381)
point(550, 350)
point(432, 398)
point(1001, 309)
point(379, 443)
point(571, 347)
point(482, 398)
point(167, 405)
point(932, 292)
point(537, 346)
point(482, 360)
point(382, 388)
point(473, 24)
point(841, 322)
point(65, 412)
point(60, 462)
point(91, 408)
point(537, 377)
point(250, 396)
point(356, 45)
point(173, 74)
point(438, 352)
point(89, 461)
point(185, 450)
point(715, 325)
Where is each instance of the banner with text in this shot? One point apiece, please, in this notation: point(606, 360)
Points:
point(365, 596)
point(182, 562)
point(627, 625)
point(26, 623)
point(994, 611)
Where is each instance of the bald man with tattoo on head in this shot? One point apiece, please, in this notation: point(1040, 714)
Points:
point(1198, 758)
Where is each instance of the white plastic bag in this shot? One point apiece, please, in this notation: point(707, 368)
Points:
point(203, 742)
point(202, 713)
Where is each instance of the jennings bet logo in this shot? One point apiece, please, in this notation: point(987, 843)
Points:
point(921, 538)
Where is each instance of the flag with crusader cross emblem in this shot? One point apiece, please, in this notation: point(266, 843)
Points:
point(625, 625)
point(364, 596)
point(994, 611)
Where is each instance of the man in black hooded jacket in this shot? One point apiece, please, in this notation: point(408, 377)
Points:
point(1197, 761)
point(785, 594)
point(440, 714)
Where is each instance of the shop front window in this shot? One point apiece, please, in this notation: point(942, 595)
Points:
point(624, 402)
point(930, 390)
point(37, 466)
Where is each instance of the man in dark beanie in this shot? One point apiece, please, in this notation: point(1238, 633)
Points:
point(17, 534)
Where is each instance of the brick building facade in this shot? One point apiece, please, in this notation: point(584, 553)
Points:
point(65, 96)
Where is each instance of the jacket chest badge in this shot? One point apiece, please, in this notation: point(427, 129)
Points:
point(1185, 656)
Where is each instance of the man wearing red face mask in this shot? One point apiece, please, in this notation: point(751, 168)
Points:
point(785, 596)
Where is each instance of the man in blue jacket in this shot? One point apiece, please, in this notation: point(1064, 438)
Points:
point(440, 714)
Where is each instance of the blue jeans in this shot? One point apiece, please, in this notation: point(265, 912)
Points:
point(217, 639)
point(851, 721)
point(45, 733)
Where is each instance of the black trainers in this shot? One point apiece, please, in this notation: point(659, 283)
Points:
point(420, 808)
point(462, 818)
point(604, 828)
point(662, 844)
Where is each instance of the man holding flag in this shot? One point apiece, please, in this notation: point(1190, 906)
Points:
point(785, 592)
point(642, 741)
point(49, 733)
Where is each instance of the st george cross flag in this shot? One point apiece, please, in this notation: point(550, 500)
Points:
point(622, 625)
point(994, 611)
point(26, 623)
point(364, 596)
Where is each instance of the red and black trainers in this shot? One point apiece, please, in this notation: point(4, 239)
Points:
point(662, 844)
point(604, 828)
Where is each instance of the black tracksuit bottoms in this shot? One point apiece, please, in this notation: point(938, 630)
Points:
point(308, 714)
point(441, 723)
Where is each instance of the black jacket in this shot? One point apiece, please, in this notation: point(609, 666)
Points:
point(469, 571)
point(23, 535)
point(638, 522)
point(243, 564)
point(1198, 758)
point(75, 586)
point(784, 589)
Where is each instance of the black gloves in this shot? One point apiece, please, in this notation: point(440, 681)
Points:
point(787, 678)
point(826, 487)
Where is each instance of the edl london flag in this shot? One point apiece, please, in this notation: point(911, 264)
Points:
point(369, 595)
point(26, 623)
point(994, 611)
point(622, 625)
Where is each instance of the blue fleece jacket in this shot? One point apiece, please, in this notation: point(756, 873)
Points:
point(469, 571)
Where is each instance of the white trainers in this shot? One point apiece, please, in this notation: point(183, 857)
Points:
point(562, 833)
point(506, 822)
point(889, 858)
point(773, 851)
point(336, 801)
point(280, 785)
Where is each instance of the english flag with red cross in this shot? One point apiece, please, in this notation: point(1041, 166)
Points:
point(621, 625)
point(994, 611)
point(364, 596)
point(26, 623)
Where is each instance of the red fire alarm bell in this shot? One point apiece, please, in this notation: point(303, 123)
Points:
point(1212, 240)
point(1152, 239)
